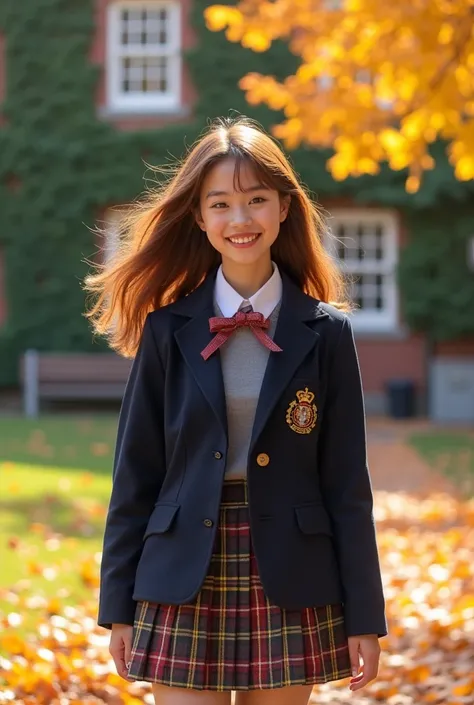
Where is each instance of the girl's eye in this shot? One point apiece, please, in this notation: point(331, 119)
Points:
point(221, 204)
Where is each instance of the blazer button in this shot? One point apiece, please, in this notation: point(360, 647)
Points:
point(217, 455)
point(208, 522)
point(263, 459)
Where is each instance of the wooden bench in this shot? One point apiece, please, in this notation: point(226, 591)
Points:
point(72, 377)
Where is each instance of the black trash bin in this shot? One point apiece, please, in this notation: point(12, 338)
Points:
point(401, 398)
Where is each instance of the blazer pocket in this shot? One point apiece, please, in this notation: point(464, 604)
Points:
point(161, 518)
point(313, 519)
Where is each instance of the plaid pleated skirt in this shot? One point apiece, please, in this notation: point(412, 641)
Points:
point(232, 637)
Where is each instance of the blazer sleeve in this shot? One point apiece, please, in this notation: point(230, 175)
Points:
point(347, 492)
point(138, 473)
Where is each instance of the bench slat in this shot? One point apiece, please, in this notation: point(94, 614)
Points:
point(81, 368)
point(81, 374)
point(81, 391)
point(72, 376)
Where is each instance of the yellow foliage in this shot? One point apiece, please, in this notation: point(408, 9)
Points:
point(413, 184)
point(392, 140)
point(408, 76)
point(256, 41)
point(220, 16)
point(427, 556)
point(464, 168)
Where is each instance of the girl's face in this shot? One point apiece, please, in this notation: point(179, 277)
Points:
point(241, 225)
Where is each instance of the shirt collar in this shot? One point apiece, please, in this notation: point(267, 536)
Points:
point(263, 301)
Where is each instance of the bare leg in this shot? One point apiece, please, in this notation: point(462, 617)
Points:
point(166, 695)
point(290, 695)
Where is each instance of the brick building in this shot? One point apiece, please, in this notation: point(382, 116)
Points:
point(144, 83)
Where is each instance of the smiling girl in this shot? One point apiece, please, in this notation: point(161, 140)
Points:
point(239, 551)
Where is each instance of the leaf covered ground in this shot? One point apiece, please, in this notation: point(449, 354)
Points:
point(52, 653)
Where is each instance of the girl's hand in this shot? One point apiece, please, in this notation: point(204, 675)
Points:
point(120, 648)
point(367, 645)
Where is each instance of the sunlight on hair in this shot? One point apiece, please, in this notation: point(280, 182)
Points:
point(162, 255)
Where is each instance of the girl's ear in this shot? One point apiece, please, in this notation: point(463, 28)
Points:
point(199, 220)
point(284, 206)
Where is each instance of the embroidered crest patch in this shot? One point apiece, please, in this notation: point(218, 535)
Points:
point(302, 414)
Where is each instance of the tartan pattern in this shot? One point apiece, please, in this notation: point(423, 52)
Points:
point(224, 327)
point(231, 637)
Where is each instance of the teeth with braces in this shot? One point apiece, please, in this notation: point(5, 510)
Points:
point(243, 240)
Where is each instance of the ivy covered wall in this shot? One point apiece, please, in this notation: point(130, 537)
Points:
point(60, 165)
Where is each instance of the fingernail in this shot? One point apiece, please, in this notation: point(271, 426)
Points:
point(354, 672)
point(128, 664)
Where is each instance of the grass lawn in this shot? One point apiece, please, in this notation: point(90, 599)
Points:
point(64, 442)
point(54, 487)
point(55, 475)
point(450, 453)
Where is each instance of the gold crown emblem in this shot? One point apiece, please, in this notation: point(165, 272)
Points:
point(305, 396)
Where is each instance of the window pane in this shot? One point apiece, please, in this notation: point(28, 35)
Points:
point(163, 32)
point(340, 241)
point(361, 243)
point(145, 74)
point(357, 292)
point(366, 247)
point(352, 243)
point(369, 292)
point(378, 244)
point(144, 27)
point(369, 244)
point(341, 251)
point(156, 78)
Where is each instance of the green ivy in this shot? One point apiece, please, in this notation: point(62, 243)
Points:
point(61, 164)
point(436, 285)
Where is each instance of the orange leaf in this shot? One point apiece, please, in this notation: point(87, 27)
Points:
point(465, 688)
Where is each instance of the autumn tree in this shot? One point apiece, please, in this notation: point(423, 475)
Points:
point(377, 80)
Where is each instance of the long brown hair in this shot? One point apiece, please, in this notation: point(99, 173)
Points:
point(163, 255)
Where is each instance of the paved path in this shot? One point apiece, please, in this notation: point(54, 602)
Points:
point(394, 465)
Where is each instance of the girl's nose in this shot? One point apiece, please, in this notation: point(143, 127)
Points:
point(241, 217)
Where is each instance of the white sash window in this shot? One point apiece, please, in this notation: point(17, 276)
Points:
point(366, 246)
point(144, 56)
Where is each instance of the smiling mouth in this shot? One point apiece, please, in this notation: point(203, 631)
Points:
point(244, 239)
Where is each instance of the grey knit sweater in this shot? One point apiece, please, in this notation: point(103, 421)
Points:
point(243, 360)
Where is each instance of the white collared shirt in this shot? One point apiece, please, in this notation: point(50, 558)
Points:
point(263, 301)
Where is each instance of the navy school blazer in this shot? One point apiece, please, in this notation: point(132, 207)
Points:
point(310, 498)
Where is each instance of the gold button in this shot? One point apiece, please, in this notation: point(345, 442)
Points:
point(263, 459)
point(217, 455)
point(208, 522)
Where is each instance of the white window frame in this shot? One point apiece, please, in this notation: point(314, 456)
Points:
point(155, 102)
point(385, 320)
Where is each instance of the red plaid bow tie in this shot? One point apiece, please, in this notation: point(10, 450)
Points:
point(224, 327)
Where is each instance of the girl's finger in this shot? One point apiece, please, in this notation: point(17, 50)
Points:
point(128, 651)
point(354, 657)
point(120, 664)
point(369, 672)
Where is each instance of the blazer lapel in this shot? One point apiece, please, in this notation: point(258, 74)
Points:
point(292, 334)
point(193, 337)
point(296, 340)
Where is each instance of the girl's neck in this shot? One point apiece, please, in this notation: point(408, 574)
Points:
point(247, 279)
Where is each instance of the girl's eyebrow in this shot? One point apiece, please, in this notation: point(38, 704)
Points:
point(257, 187)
